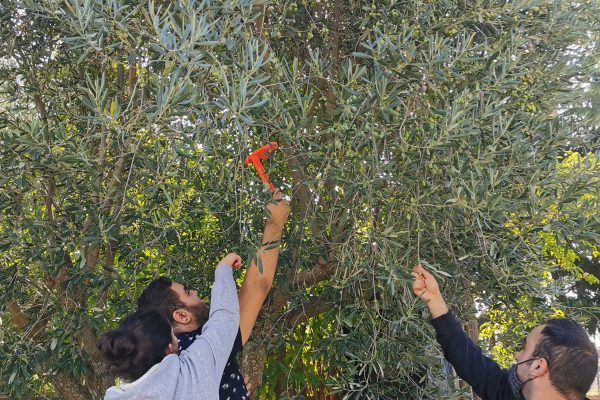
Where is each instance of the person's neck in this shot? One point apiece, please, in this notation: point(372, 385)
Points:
point(180, 328)
point(547, 395)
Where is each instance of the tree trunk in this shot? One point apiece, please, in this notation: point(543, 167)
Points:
point(69, 388)
point(254, 357)
point(280, 386)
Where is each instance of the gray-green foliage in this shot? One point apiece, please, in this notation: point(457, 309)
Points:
point(410, 131)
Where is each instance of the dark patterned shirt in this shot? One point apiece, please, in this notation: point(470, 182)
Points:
point(232, 385)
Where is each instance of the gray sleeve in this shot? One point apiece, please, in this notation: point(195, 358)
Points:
point(223, 323)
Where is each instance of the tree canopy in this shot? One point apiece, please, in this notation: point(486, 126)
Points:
point(457, 134)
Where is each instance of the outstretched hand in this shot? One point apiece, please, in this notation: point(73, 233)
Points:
point(279, 210)
point(425, 286)
point(231, 260)
point(427, 289)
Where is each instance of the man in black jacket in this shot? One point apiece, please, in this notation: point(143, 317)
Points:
point(557, 362)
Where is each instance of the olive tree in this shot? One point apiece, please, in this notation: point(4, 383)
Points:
point(410, 132)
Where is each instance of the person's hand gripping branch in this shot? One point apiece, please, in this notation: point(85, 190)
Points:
point(257, 281)
point(231, 260)
point(278, 211)
point(426, 288)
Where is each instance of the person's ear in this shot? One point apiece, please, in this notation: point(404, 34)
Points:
point(182, 316)
point(539, 367)
point(170, 349)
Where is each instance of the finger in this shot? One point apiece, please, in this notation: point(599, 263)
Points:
point(418, 289)
point(277, 195)
point(419, 284)
point(417, 275)
point(419, 269)
point(428, 276)
point(419, 281)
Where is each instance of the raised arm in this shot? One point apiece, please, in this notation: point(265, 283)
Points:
point(486, 378)
point(256, 285)
point(218, 334)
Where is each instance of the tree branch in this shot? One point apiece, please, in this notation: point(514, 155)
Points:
point(299, 188)
point(304, 312)
point(16, 315)
point(335, 45)
point(281, 295)
point(318, 273)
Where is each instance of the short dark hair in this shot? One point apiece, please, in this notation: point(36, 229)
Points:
point(140, 341)
point(572, 358)
point(159, 296)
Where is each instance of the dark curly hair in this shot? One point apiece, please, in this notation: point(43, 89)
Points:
point(140, 341)
point(571, 356)
point(159, 296)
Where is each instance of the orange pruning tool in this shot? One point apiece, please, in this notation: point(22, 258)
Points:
point(255, 158)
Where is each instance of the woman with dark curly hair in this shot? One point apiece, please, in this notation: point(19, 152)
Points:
point(144, 349)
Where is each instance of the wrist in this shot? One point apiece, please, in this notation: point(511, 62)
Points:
point(275, 223)
point(437, 307)
point(274, 243)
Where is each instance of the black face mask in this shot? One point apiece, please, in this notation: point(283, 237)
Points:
point(515, 384)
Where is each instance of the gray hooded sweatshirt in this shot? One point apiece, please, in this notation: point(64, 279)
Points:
point(196, 372)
